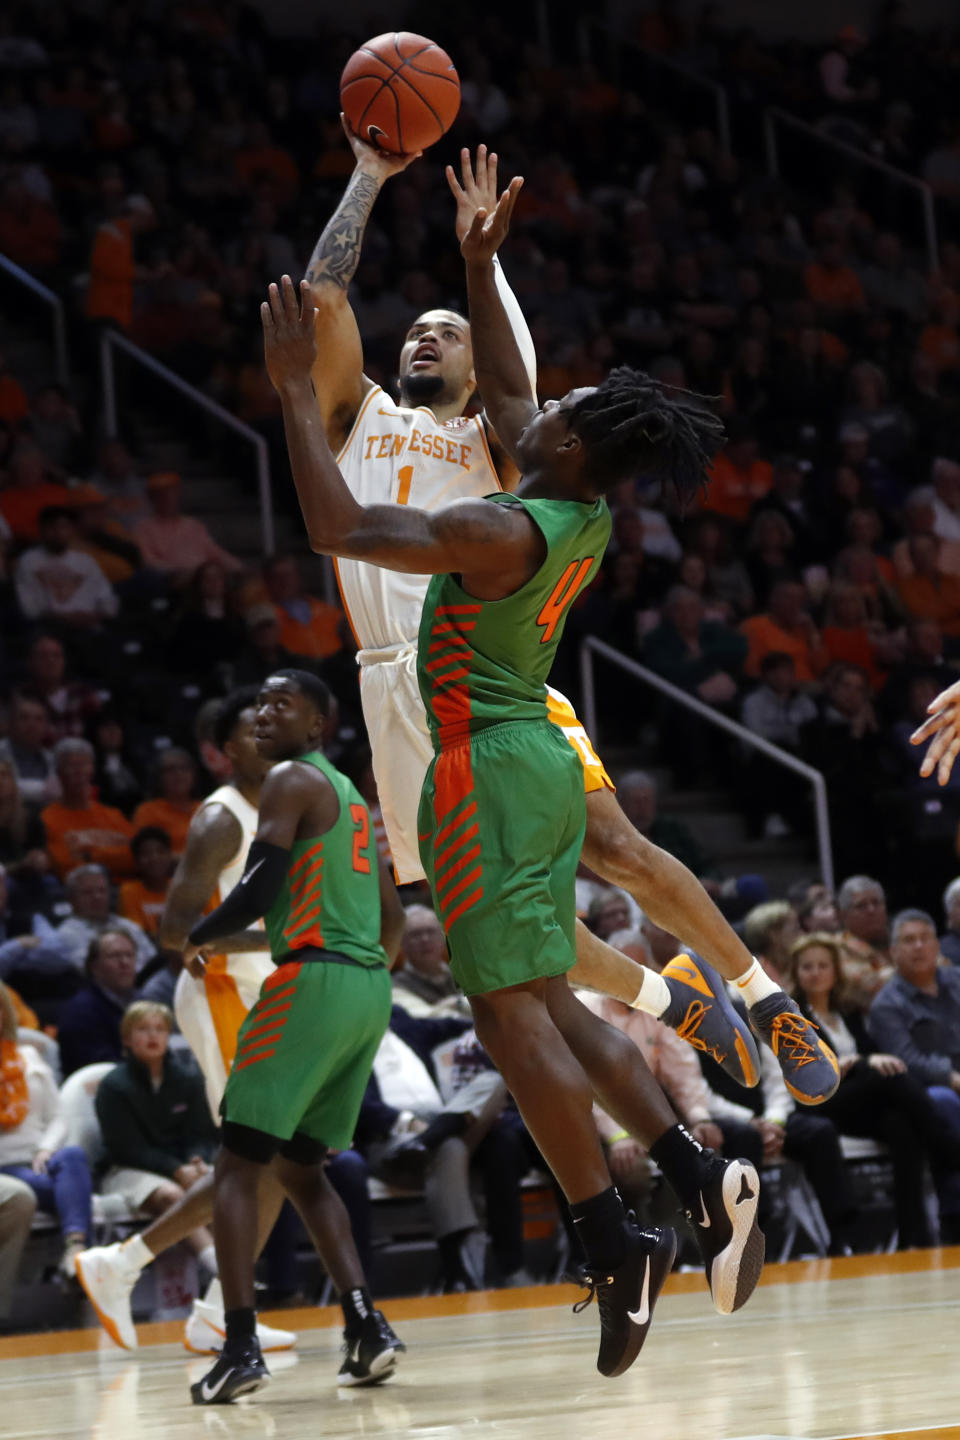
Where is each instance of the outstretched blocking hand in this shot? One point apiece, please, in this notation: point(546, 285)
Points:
point(289, 341)
point(478, 188)
point(379, 163)
point(943, 732)
point(488, 230)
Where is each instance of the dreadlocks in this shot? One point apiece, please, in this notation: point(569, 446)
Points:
point(632, 422)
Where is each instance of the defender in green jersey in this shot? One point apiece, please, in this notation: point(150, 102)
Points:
point(306, 1049)
point(503, 810)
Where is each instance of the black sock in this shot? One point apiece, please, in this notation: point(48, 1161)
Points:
point(241, 1324)
point(601, 1229)
point(449, 1247)
point(357, 1307)
point(441, 1129)
point(683, 1161)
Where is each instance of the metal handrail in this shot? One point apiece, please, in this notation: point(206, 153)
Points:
point(592, 646)
point(112, 338)
point(31, 283)
point(721, 101)
point(774, 115)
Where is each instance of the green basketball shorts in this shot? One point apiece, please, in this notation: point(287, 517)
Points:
point(306, 1050)
point(502, 820)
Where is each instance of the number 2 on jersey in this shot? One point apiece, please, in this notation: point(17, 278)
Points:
point(561, 596)
point(360, 816)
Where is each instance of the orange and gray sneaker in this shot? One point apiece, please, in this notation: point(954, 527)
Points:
point(702, 1014)
point(810, 1069)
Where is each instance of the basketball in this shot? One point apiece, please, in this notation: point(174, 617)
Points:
point(400, 92)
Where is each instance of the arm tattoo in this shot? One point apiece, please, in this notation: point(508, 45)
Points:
point(337, 252)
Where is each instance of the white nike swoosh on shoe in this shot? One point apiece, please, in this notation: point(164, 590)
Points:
point(210, 1392)
point(705, 1222)
point(642, 1315)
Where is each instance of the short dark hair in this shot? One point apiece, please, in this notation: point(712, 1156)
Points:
point(310, 685)
point(93, 951)
point(145, 835)
point(631, 422)
point(231, 708)
point(50, 513)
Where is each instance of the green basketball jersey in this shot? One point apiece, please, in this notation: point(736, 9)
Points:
point(331, 895)
point(486, 662)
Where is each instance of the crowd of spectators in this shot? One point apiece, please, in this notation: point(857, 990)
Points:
point(159, 166)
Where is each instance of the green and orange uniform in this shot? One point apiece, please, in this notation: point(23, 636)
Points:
point(502, 813)
point(306, 1049)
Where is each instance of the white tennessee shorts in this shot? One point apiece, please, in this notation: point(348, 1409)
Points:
point(402, 749)
point(210, 1012)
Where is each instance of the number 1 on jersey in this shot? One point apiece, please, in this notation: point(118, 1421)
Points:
point(360, 816)
point(562, 595)
point(404, 476)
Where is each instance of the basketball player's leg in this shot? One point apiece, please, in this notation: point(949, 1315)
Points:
point(688, 996)
point(401, 752)
point(284, 1108)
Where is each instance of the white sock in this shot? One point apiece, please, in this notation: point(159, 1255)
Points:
point(654, 994)
point(755, 984)
point(136, 1253)
point(207, 1259)
point(214, 1295)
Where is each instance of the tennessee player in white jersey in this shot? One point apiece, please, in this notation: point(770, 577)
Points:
point(425, 452)
point(210, 1010)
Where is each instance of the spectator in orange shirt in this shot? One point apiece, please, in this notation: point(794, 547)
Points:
point(113, 267)
point(739, 478)
point(307, 626)
point(30, 490)
point(849, 635)
point(786, 626)
point(81, 831)
point(831, 284)
point(929, 593)
point(174, 777)
point(142, 900)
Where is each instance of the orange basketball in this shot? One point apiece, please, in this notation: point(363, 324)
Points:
point(400, 92)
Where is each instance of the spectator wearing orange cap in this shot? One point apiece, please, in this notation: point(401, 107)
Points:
point(173, 543)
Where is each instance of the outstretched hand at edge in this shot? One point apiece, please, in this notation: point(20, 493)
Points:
point(289, 339)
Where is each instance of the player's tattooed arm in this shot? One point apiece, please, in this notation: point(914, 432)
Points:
point(213, 840)
point(337, 252)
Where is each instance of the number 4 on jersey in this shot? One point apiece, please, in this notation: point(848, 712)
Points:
point(561, 596)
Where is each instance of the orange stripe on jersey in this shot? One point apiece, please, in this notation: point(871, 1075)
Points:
point(451, 825)
point(305, 858)
point(273, 1008)
point(458, 609)
point(453, 627)
point(227, 1011)
point(464, 860)
point(310, 901)
point(441, 858)
point(283, 975)
point(465, 905)
point(475, 874)
point(343, 602)
point(254, 1059)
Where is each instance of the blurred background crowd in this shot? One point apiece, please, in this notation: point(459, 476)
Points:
point(160, 163)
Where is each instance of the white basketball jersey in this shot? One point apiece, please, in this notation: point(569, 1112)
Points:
point(395, 454)
point(250, 966)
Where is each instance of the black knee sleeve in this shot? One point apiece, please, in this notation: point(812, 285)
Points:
point(254, 1145)
point(303, 1149)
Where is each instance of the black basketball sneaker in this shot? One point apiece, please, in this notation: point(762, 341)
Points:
point(626, 1296)
point(730, 1240)
point(369, 1352)
point(239, 1370)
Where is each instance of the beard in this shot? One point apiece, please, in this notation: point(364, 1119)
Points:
point(421, 389)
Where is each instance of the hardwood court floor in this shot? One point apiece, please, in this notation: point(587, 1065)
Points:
point(832, 1349)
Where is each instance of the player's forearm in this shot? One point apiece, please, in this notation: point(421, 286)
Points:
point(518, 325)
point(337, 252)
point(244, 942)
point(330, 513)
point(499, 365)
point(257, 890)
